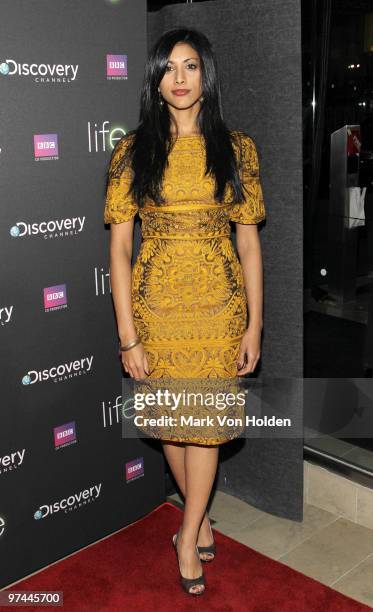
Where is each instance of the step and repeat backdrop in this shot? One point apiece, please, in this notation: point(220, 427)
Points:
point(70, 77)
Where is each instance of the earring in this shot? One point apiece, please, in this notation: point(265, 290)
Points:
point(160, 99)
point(201, 99)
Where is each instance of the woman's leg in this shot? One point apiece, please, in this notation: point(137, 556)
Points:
point(200, 470)
point(175, 455)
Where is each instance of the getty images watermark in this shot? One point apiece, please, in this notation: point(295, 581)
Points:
point(211, 410)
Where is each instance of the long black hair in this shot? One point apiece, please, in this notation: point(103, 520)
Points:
point(152, 141)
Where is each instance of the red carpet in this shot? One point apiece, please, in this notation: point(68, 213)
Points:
point(136, 570)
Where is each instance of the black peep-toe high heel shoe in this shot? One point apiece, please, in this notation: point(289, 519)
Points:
point(188, 583)
point(211, 549)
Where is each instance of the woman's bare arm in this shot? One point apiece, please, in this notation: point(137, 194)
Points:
point(250, 254)
point(121, 245)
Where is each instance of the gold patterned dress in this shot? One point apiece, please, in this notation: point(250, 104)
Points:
point(188, 295)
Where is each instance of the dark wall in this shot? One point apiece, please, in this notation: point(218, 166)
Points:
point(258, 49)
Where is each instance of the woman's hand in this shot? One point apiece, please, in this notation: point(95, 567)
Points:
point(135, 362)
point(249, 352)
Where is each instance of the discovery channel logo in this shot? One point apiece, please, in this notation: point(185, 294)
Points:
point(116, 67)
point(51, 228)
point(45, 146)
point(42, 73)
point(70, 503)
point(60, 372)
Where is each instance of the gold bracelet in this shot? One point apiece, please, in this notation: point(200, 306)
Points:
point(130, 345)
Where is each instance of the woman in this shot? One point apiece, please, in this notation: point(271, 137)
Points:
point(182, 310)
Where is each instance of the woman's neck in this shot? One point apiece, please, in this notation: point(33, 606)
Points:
point(185, 121)
point(185, 133)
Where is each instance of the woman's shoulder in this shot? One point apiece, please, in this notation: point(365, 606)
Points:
point(118, 158)
point(241, 137)
point(121, 147)
point(124, 142)
point(245, 145)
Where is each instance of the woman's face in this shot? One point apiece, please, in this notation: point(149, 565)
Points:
point(183, 72)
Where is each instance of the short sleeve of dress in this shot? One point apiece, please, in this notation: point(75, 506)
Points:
point(119, 204)
point(252, 210)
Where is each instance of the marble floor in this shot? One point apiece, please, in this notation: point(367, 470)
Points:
point(326, 546)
